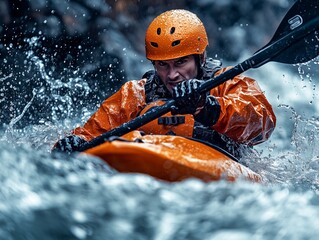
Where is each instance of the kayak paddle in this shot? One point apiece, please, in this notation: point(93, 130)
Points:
point(295, 41)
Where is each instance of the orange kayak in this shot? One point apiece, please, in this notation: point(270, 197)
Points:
point(170, 158)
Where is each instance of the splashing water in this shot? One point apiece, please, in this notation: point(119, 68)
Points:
point(54, 97)
point(61, 89)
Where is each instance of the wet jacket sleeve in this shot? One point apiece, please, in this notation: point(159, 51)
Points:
point(246, 115)
point(119, 108)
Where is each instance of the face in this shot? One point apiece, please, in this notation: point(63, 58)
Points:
point(174, 71)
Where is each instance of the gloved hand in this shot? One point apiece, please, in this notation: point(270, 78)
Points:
point(69, 144)
point(210, 113)
point(188, 98)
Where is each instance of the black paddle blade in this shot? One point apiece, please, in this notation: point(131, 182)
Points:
point(298, 33)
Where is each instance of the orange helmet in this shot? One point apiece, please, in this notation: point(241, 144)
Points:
point(174, 34)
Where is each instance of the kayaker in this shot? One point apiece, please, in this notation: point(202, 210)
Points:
point(232, 115)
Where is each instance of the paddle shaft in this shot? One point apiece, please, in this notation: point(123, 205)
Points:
point(261, 57)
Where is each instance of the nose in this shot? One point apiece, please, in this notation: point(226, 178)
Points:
point(173, 73)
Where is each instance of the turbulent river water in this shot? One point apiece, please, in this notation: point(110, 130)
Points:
point(44, 196)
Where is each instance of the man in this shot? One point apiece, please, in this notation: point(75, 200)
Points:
point(234, 114)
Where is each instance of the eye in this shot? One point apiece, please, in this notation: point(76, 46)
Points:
point(160, 63)
point(181, 61)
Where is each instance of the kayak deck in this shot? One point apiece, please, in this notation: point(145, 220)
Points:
point(170, 158)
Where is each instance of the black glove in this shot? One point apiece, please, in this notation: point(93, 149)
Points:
point(68, 144)
point(188, 98)
point(209, 115)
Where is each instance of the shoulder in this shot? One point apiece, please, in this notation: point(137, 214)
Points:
point(137, 84)
point(239, 83)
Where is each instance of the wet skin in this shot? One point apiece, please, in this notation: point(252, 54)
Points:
point(174, 71)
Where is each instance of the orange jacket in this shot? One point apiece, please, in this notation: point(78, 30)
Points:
point(246, 115)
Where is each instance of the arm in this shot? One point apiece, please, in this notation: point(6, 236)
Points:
point(246, 116)
point(121, 107)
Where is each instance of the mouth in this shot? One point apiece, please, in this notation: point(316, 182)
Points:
point(173, 83)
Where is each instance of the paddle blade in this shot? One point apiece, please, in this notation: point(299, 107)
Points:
point(298, 33)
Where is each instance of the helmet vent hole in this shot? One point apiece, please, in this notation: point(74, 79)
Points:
point(172, 30)
point(154, 44)
point(158, 31)
point(175, 43)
